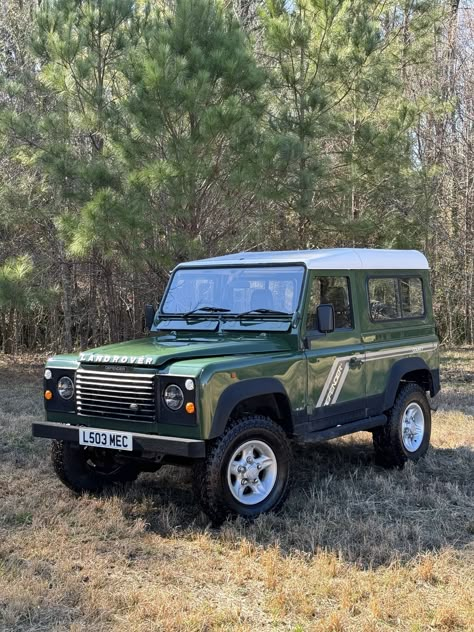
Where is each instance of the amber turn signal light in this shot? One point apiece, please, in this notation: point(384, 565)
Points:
point(190, 408)
point(48, 395)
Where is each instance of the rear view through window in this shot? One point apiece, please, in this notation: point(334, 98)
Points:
point(392, 298)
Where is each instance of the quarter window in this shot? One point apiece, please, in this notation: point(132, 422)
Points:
point(335, 291)
point(392, 298)
point(411, 292)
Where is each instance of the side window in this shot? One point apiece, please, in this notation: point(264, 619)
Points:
point(383, 299)
point(393, 298)
point(334, 290)
point(411, 292)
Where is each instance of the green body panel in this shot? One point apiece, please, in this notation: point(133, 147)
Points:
point(405, 336)
point(369, 377)
point(160, 350)
point(325, 349)
point(378, 369)
point(217, 360)
point(287, 368)
point(200, 356)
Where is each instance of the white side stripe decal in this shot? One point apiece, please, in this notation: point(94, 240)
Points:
point(340, 368)
point(342, 380)
point(328, 381)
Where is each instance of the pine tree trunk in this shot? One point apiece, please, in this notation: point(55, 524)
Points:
point(67, 304)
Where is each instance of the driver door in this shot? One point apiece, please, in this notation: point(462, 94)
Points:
point(335, 361)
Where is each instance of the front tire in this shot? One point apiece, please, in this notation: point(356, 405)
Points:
point(406, 436)
point(89, 469)
point(247, 470)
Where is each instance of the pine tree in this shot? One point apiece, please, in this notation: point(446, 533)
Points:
point(133, 136)
point(80, 45)
point(340, 122)
point(190, 143)
point(318, 48)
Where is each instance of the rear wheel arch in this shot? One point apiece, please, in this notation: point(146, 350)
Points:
point(414, 371)
point(422, 377)
point(259, 396)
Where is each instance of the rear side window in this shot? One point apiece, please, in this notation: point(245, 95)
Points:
point(411, 293)
point(333, 290)
point(392, 298)
point(383, 299)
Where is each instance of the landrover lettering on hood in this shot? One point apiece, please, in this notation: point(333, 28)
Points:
point(109, 359)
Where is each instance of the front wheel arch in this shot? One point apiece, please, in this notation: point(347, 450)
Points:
point(261, 396)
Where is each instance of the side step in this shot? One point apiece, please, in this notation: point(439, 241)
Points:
point(343, 429)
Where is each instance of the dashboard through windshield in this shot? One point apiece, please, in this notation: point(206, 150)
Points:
point(233, 291)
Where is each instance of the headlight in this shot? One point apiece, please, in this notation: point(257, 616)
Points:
point(65, 387)
point(173, 397)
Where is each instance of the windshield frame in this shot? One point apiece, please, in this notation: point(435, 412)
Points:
point(222, 316)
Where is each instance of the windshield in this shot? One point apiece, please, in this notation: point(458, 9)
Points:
point(232, 291)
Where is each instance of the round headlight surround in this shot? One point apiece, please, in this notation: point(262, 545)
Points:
point(173, 397)
point(65, 387)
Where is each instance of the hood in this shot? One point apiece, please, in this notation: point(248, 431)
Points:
point(158, 350)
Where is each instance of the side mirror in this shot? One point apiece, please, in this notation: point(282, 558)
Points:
point(325, 314)
point(149, 316)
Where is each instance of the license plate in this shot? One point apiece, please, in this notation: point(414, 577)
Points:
point(96, 438)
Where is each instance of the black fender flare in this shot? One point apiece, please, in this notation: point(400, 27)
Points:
point(401, 368)
point(235, 393)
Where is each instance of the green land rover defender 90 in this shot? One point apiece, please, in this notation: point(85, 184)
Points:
point(247, 353)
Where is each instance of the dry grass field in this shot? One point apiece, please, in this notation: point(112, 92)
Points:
point(356, 547)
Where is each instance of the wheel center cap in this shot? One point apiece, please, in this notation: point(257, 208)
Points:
point(252, 472)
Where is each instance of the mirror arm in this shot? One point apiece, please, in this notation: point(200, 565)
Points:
point(150, 314)
point(295, 321)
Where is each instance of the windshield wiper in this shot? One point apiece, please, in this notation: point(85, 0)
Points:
point(214, 310)
point(263, 310)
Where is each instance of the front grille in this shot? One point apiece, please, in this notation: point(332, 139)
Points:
point(115, 395)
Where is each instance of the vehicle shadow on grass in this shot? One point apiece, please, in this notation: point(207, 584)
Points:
point(340, 502)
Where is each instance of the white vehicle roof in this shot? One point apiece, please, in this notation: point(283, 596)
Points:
point(327, 259)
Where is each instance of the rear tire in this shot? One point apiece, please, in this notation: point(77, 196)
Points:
point(89, 469)
point(247, 470)
point(406, 436)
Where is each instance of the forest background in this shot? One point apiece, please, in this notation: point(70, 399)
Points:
point(135, 135)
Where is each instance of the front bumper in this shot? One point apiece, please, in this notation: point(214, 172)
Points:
point(173, 446)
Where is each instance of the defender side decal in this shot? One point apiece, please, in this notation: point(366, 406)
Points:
point(334, 384)
point(340, 368)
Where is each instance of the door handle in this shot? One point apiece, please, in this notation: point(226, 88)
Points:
point(355, 363)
